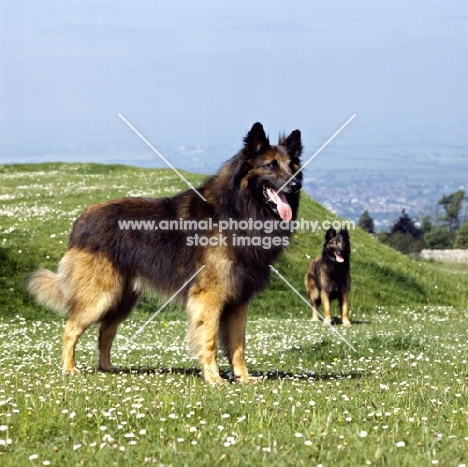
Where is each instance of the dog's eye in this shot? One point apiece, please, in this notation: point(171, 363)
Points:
point(272, 165)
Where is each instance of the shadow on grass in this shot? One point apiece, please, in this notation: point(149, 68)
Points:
point(273, 374)
point(337, 321)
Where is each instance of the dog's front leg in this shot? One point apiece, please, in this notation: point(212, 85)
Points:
point(326, 307)
point(204, 310)
point(345, 310)
point(232, 327)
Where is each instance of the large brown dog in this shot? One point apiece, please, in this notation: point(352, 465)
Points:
point(328, 277)
point(106, 267)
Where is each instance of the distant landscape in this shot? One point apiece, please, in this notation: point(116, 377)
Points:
point(348, 177)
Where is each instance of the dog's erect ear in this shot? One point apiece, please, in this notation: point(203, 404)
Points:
point(293, 144)
point(344, 233)
point(331, 233)
point(256, 141)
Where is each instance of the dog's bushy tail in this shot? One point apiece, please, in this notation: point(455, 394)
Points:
point(45, 287)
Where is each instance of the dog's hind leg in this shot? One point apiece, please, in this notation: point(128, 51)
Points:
point(344, 305)
point(232, 338)
point(74, 328)
point(204, 310)
point(108, 328)
point(92, 287)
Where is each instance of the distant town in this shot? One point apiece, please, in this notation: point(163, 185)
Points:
point(383, 199)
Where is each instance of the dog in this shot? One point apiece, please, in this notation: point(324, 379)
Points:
point(328, 277)
point(106, 267)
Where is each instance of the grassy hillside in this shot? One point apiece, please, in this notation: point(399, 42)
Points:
point(38, 204)
point(399, 399)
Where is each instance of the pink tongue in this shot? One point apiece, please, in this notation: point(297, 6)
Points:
point(284, 209)
point(339, 258)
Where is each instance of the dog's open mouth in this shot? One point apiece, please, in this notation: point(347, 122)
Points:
point(339, 257)
point(278, 203)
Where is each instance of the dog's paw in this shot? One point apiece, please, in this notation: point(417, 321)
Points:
point(253, 380)
point(346, 323)
point(216, 381)
point(71, 371)
point(247, 379)
point(327, 322)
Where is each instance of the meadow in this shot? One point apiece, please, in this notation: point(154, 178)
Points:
point(400, 399)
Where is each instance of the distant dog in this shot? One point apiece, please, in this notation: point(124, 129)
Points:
point(328, 277)
point(106, 268)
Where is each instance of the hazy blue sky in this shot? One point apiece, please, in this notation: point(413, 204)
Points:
point(202, 72)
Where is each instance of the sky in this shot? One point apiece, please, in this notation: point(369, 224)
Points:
point(193, 77)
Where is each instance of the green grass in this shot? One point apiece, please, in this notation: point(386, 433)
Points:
point(450, 268)
point(318, 402)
